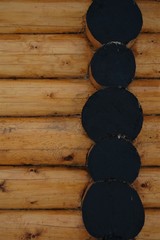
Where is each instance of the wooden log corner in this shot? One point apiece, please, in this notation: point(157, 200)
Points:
point(44, 84)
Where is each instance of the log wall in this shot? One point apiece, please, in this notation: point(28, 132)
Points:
point(44, 58)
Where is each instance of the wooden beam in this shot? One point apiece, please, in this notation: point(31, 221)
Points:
point(62, 141)
point(52, 56)
point(43, 97)
point(61, 224)
point(41, 188)
point(148, 93)
point(147, 185)
point(39, 56)
point(147, 56)
point(53, 16)
point(62, 188)
point(65, 97)
point(151, 16)
point(58, 16)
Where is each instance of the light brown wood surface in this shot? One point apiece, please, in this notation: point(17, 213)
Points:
point(62, 141)
point(60, 224)
point(65, 97)
point(44, 188)
point(146, 50)
point(51, 56)
point(39, 56)
point(44, 74)
point(62, 188)
point(59, 16)
point(47, 225)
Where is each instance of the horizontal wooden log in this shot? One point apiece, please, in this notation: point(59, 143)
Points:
point(60, 225)
point(62, 188)
point(62, 141)
point(151, 16)
point(52, 56)
point(39, 56)
point(41, 98)
point(147, 55)
point(148, 93)
point(147, 185)
point(41, 187)
point(53, 16)
point(58, 16)
point(64, 97)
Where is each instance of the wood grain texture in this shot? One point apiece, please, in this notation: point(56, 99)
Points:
point(62, 141)
point(52, 56)
point(59, 16)
point(43, 97)
point(151, 16)
point(62, 188)
point(39, 56)
point(41, 188)
point(51, 16)
point(65, 97)
point(147, 55)
point(60, 225)
point(148, 93)
point(147, 185)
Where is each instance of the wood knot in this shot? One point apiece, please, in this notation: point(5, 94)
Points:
point(33, 46)
point(30, 236)
point(66, 62)
point(8, 130)
point(2, 186)
point(34, 170)
point(50, 95)
point(33, 202)
point(146, 185)
point(70, 157)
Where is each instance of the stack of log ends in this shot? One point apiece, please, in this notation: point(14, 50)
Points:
point(113, 20)
point(114, 158)
point(112, 112)
point(113, 65)
point(112, 210)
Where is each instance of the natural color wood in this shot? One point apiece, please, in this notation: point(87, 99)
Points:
point(151, 16)
point(64, 97)
point(59, 16)
point(43, 97)
point(62, 188)
point(39, 56)
point(60, 225)
point(41, 187)
point(147, 55)
point(63, 141)
point(50, 56)
point(147, 185)
point(51, 16)
point(148, 93)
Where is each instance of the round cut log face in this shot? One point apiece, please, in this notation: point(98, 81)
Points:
point(112, 209)
point(113, 158)
point(113, 65)
point(112, 112)
point(113, 20)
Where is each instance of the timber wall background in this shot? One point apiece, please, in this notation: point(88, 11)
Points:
point(44, 58)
